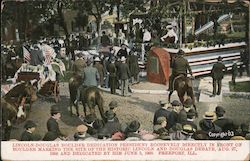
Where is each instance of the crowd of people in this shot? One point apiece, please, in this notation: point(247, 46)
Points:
point(172, 121)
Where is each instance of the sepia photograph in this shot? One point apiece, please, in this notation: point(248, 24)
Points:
point(125, 80)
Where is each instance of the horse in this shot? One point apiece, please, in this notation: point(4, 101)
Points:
point(9, 113)
point(19, 94)
point(12, 106)
point(89, 95)
point(184, 86)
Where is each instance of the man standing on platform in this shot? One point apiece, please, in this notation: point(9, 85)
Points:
point(217, 75)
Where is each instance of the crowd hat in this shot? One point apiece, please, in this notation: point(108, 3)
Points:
point(113, 104)
point(97, 59)
point(176, 103)
point(187, 129)
point(219, 110)
point(29, 124)
point(188, 103)
point(180, 52)
point(89, 119)
point(209, 115)
point(123, 59)
point(133, 126)
point(191, 113)
point(54, 109)
point(163, 102)
point(219, 58)
point(109, 114)
point(81, 129)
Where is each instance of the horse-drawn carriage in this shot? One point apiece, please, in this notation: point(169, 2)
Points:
point(50, 88)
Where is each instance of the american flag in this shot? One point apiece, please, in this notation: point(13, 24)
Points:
point(49, 54)
point(26, 55)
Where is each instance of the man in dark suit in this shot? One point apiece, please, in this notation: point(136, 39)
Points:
point(180, 66)
point(221, 121)
point(124, 73)
point(89, 121)
point(52, 123)
point(36, 56)
point(217, 75)
point(105, 41)
point(191, 115)
point(164, 111)
point(111, 126)
point(28, 135)
point(112, 71)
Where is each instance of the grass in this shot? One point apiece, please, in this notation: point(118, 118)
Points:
point(240, 87)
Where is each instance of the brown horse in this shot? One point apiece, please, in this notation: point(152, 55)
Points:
point(184, 86)
point(12, 103)
point(88, 95)
point(8, 114)
point(20, 94)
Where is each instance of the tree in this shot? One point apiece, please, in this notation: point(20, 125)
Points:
point(94, 8)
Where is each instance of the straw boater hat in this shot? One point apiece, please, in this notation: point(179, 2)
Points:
point(187, 129)
point(123, 59)
point(209, 115)
point(81, 128)
point(97, 59)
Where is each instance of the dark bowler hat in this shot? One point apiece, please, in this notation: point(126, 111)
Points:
point(219, 110)
point(219, 58)
point(133, 126)
point(191, 112)
point(176, 103)
point(163, 102)
point(188, 103)
point(113, 104)
point(29, 124)
point(109, 114)
point(55, 109)
point(89, 119)
point(180, 52)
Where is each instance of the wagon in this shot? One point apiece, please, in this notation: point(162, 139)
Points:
point(50, 88)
